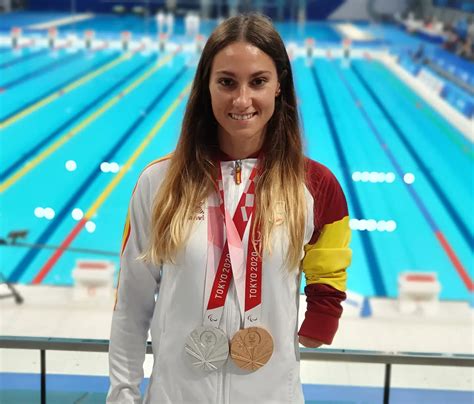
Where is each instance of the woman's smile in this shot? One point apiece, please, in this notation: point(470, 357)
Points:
point(243, 117)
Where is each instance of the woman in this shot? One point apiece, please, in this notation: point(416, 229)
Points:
point(220, 230)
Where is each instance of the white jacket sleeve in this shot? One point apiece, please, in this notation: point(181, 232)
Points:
point(138, 283)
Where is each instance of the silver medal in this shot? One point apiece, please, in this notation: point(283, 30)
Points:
point(207, 348)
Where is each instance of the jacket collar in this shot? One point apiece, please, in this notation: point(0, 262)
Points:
point(221, 156)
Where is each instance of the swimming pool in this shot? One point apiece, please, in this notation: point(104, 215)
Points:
point(64, 114)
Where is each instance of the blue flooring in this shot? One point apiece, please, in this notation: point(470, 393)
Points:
point(16, 388)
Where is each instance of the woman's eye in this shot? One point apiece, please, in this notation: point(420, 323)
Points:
point(260, 81)
point(225, 82)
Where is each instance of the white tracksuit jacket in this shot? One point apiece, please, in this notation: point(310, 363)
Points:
point(180, 306)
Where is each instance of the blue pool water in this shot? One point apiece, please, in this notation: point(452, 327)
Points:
point(96, 107)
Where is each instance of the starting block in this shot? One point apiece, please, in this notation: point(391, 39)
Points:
point(162, 42)
point(199, 42)
point(15, 35)
point(92, 279)
point(52, 37)
point(309, 45)
point(88, 38)
point(125, 37)
point(346, 48)
point(418, 291)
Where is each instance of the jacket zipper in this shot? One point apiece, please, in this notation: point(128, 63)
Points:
point(230, 312)
point(238, 172)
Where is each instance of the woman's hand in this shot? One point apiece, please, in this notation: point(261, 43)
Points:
point(310, 342)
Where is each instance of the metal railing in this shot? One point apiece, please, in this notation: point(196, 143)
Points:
point(321, 354)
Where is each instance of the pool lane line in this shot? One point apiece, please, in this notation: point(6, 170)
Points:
point(22, 59)
point(60, 90)
point(459, 140)
point(64, 45)
point(372, 260)
point(67, 208)
point(45, 69)
point(462, 227)
point(83, 124)
point(445, 245)
point(28, 155)
point(26, 44)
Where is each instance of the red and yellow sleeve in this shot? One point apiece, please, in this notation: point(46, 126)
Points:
point(327, 256)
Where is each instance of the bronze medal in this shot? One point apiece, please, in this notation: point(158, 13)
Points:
point(251, 348)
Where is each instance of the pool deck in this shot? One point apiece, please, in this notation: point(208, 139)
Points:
point(51, 311)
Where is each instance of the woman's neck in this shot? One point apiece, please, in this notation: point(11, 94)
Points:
point(239, 149)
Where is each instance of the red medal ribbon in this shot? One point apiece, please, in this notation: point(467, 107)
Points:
point(222, 280)
point(253, 278)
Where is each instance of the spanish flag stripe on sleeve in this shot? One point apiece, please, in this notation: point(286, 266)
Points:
point(327, 255)
point(326, 260)
point(126, 233)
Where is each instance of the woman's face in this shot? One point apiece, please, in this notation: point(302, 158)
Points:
point(243, 86)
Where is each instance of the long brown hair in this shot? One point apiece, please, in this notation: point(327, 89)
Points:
point(189, 180)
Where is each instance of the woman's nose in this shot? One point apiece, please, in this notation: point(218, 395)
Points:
point(242, 98)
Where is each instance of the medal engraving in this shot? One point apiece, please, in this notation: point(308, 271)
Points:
point(251, 348)
point(207, 348)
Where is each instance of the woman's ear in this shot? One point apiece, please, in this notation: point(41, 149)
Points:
point(277, 93)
